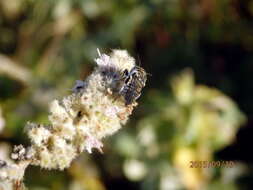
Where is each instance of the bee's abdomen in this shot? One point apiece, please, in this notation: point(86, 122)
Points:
point(134, 81)
point(130, 93)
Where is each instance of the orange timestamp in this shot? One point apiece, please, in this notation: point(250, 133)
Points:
point(212, 164)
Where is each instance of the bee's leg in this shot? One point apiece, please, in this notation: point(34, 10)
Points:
point(121, 90)
point(137, 96)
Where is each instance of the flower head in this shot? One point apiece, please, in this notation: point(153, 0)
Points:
point(79, 121)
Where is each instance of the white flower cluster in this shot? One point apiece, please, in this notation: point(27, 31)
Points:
point(82, 119)
point(79, 121)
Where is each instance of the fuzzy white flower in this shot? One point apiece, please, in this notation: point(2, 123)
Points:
point(38, 134)
point(81, 120)
point(103, 60)
point(112, 111)
point(92, 142)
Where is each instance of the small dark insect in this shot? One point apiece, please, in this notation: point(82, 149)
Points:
point(134, 81)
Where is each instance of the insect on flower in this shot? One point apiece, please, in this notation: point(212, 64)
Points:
point(133, 82)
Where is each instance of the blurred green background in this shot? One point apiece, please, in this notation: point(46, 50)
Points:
point(197, 105)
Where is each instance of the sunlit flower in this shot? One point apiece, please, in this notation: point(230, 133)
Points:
point(79, 121)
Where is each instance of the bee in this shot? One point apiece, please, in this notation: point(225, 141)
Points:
point(133, 82)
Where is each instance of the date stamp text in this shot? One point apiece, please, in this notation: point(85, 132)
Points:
point(212, 164)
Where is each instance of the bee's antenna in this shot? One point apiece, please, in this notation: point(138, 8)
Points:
point(139, 60)
point(149, 74)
